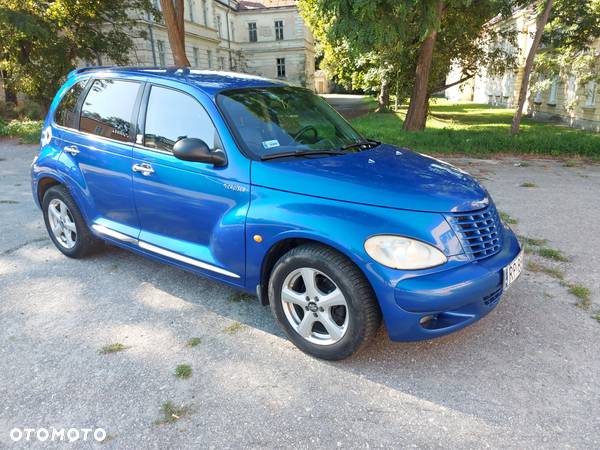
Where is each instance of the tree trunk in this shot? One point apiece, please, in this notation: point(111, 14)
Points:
point(383, 99)
point(541, 23)
point(416, 116)
point(10, 96)
point(172, 11)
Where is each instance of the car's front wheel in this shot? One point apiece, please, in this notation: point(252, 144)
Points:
point(323, 302)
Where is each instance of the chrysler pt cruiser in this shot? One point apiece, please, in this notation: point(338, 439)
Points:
point(263, 186)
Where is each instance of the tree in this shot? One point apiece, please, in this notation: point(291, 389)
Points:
point(41, 41)
point(539, 31)
point(408, 45)
point(416, 115)
point(173, 14)
point(566, 48)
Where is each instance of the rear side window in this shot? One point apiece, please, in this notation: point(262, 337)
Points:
point(66, 112)
point(172, 115)
point(108, 108)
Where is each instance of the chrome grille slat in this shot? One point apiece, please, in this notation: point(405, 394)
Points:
point(479, 231)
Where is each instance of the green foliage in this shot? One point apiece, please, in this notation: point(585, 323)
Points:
point(467, 128)
point(552, 253)
point(364, 42)
point(28, 131)
point(171, 413)
point(41, 41)
point(583, 295)
point(567, 44)
point(183, 371)
point(193, 342)
point(113, 348)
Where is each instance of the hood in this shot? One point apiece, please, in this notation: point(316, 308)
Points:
point(383, 176)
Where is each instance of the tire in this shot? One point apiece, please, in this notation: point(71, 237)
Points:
point(326, 325)
point(68, 230)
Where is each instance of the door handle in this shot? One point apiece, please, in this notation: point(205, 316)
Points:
point(71, 149)
point(144, 168)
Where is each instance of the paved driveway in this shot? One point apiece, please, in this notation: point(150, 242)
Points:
point(526, 376)
point(348, 105)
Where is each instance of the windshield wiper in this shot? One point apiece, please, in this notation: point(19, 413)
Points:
point(299, 153)
point(371, 143)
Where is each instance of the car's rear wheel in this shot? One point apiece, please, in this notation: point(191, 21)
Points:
point(65, 224)
point(323, 302)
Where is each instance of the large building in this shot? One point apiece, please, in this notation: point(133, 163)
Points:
point(566, 99)
point(261, 37)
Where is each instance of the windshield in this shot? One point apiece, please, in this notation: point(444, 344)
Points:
point(285, 119)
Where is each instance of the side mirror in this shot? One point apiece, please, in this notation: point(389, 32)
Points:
point(196, 150)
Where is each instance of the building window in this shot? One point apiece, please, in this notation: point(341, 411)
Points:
point(279, 30)
point(191, 9)
point(160, 46)
point(252, 35)
point(538, 94)
point(205, 12)
point(280, 67)
point(209, 55)
point(553, 92)
point(221, 62)
point(219, 26)
point(590, 94)
point(232, 30)
point(196, 57)
point(572, 89)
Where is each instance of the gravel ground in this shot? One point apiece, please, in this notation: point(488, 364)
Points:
point(526, 376)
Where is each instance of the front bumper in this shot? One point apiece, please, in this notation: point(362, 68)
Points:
point(439, 303)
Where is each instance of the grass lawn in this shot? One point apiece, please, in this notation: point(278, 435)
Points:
point(478, 130)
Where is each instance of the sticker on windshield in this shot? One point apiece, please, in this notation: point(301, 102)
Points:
point(271, 144)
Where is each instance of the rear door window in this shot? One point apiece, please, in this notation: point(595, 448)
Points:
point(66, 112)
point(172, 115)
point(108, 108)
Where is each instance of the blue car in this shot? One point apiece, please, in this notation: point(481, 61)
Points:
point(264, 187)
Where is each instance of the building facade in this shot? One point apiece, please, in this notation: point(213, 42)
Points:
point(566, 99)
point(261, 37)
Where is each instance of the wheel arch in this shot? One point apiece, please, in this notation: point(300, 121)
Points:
point(284, 245)
point(45, 183)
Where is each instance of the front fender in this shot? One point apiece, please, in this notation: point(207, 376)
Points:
point(277, 215)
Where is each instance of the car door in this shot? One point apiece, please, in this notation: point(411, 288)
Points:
point(191, 213)
point(101, 149)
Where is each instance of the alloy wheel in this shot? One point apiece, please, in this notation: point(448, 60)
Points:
point(62, 223)
point(315, 306)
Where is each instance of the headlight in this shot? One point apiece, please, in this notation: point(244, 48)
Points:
point(403, 253)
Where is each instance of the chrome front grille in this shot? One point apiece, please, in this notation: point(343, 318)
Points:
point(480, 232)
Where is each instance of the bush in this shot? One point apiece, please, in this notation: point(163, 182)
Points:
point(7, 110)
point(29, 110)
point(28, 131)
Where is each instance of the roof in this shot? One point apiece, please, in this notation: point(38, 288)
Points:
point(265, 4)
point(209, 81)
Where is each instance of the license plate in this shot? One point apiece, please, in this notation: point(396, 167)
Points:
point(513, 270)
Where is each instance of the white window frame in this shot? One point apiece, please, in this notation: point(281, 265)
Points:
point(252, 31)
point(553, 91)
point(160, 49)
point(219, 25)
point(591, 90)
point(190, 4)
point(196, 54)
point(280, 63)
point(279, 29)
point(209, 56)
point(572, 88)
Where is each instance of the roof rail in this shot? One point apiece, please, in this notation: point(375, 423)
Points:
point(87, 69)
point(171, 70)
